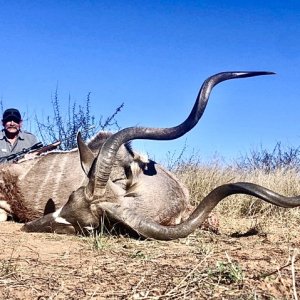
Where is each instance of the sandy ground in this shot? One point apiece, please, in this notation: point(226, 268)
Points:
point(262, 265)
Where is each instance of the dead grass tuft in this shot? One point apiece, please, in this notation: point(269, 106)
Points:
point(202, 178)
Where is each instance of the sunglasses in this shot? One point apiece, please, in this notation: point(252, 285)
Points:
point(15, 120)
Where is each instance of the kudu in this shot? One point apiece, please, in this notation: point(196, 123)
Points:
point(153, 201)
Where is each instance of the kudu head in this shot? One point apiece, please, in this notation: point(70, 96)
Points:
point(84, 207)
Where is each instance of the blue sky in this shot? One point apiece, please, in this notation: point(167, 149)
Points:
point(154, 56)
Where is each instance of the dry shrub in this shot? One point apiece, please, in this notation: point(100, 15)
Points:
point(64, 125)
point(203, 178)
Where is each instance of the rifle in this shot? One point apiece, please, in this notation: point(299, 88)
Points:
point(37, 148)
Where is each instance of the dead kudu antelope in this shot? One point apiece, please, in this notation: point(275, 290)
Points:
point(152, 202)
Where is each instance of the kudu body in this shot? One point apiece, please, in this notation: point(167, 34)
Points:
point(152, 201)
point(34, 187)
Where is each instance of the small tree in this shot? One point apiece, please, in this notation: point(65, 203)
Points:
point(79, 118)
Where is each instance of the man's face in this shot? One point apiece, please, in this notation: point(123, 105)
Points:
point(12, 126)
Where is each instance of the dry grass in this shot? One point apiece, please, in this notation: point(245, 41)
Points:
point(202, 266)
point(201, 179)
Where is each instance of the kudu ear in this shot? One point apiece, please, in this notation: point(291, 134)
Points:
point(86, 155)
point(49, 207)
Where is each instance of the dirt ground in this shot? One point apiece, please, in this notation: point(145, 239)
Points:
point(251, 264)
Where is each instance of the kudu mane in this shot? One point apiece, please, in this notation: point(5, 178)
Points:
point(15, 198)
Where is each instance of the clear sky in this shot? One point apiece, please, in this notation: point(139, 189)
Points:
point(154, 56)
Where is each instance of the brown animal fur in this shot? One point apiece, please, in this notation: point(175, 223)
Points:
point(15, 198)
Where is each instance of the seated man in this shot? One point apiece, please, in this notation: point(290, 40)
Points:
point(12, 138)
